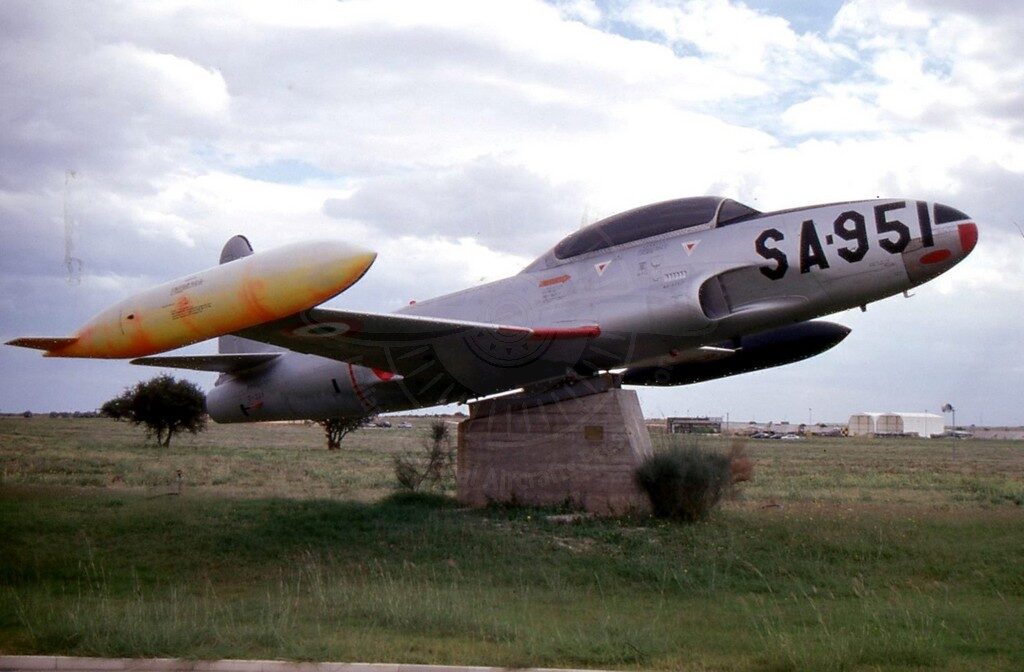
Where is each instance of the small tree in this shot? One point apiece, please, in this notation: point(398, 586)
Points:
point(118, 408)
point(335, 429)
point(164, 405)
point(434, 467)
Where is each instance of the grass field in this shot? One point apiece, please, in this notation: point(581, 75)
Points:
point(842, 554)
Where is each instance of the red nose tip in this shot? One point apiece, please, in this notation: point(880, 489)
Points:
point(968, 236)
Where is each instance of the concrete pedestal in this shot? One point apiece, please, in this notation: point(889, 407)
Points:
point(578, 445)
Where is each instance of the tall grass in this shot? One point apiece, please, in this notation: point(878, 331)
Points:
point(416, 579)
point(278, 549)
point(316, 611)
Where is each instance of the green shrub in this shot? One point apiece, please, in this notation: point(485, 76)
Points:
point(684, 482)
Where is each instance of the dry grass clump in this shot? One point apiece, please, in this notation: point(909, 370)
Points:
point(741, 467)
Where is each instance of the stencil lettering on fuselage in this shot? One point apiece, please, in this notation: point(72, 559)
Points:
point(848, 234)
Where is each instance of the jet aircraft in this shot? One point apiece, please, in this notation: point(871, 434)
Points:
point(670, 293)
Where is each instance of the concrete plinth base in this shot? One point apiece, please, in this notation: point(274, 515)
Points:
point(578, 445)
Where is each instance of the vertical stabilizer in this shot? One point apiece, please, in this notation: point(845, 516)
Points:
point(236, 248)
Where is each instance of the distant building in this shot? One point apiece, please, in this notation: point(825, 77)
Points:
point(863, 424)
point(897, 424)
point(702, 425)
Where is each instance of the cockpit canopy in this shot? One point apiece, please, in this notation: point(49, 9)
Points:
point(699, 212)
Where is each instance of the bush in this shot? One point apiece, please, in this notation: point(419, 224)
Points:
point(684, 482)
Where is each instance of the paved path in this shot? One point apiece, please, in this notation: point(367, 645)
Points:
point(72, 664)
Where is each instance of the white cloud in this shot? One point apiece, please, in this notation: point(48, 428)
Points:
point(995, 268)
point(180, 83)
point(876, 20)
point(586, 11)
point(935, 68)
point(738, 38)
point(837, 112)
point(521, 212)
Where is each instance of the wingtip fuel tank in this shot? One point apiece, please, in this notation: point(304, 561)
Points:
point(252, 290)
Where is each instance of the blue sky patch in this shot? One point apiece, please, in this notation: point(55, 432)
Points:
point(285, 171)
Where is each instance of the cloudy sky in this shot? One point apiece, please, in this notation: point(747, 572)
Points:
point(462, 139)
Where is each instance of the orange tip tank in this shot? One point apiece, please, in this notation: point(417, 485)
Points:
point(255, 289)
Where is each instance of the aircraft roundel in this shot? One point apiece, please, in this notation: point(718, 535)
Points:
point(324, 329)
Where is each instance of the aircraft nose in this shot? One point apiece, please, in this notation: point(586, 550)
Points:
point(947, 237)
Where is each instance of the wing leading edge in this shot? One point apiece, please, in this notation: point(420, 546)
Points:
point(224, 363)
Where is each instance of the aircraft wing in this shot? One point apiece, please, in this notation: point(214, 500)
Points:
point(388, 341)
point(223, 363)
point(442, 355)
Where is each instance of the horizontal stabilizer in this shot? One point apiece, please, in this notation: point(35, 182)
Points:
point(233, 363)
point(42, 343)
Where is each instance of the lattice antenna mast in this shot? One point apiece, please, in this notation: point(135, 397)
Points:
point(587, 217)
point(72, 263)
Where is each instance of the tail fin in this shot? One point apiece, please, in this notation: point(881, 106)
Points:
point(236, 248)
